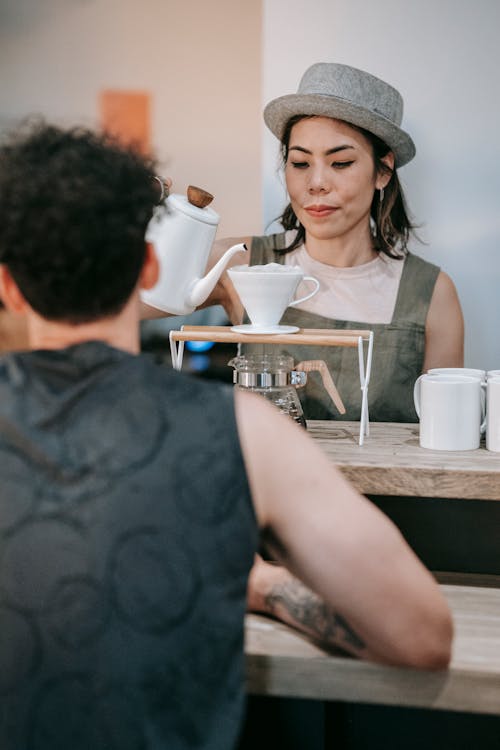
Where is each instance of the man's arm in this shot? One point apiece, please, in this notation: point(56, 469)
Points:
point(273, 591)
point(339, 544)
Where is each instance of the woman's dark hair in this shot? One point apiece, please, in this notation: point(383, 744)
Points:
point(391, 226)
point(74, 207)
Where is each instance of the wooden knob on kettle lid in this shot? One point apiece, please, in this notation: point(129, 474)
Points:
point(199, 197)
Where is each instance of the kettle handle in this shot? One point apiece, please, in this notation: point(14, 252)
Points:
point(319, 365)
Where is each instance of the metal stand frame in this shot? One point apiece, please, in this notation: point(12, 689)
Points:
point(314, 336)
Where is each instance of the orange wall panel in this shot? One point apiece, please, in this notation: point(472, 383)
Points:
point(127, 116)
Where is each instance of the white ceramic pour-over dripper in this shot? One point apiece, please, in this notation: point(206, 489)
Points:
point(267, 290)
point(182, 235)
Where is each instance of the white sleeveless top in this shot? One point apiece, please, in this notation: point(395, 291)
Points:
point(367, 292)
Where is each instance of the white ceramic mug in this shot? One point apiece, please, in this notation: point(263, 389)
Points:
point(467, 371)
point(492, 374)
point(451, 411)
point(267, 290)
point(493, 414)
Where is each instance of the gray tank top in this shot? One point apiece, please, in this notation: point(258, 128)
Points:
point(398, 352)
point(126, 535)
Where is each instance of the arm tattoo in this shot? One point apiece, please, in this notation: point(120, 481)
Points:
point(299, 606)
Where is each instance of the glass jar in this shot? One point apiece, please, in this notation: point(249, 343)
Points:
point(273, 376)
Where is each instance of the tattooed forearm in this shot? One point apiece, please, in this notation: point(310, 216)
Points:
point(297, 605)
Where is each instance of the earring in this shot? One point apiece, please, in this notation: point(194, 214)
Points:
point(381, 195)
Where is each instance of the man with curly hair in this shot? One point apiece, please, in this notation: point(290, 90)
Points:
point(133, 495)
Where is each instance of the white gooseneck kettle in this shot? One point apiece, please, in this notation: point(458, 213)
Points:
point(182, 231)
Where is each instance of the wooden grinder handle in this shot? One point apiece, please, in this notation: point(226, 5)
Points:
point(318, 365)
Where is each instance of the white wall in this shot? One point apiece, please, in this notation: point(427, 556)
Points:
point(200, 61)
point(444, 57)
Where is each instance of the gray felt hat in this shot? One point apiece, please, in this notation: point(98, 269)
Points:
point(345, 93)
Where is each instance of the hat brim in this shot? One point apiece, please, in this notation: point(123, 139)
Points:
point(280, 110)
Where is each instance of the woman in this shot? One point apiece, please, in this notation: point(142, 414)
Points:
point(347, 224)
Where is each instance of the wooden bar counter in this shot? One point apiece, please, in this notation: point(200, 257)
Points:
point(446, 504)
point(281, 661)
point(391, 462)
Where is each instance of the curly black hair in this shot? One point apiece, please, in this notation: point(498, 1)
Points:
point(74, 206)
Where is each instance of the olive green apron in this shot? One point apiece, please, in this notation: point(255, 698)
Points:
point(398, 348)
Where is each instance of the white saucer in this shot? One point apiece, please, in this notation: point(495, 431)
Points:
point(249, 328)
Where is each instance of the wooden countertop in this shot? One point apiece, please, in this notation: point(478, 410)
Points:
point(391, 462)
point(280, 661)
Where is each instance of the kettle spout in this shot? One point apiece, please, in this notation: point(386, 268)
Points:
point(201, 288)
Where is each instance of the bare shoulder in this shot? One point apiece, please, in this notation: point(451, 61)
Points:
point(444, 290)
point(284, 464)
point(444, 329)
point(260, 429)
